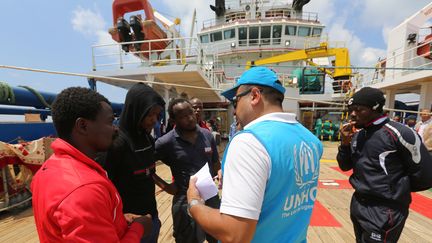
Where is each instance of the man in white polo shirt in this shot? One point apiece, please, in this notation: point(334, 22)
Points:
point(270, 169)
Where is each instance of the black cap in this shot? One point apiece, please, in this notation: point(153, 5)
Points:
point(411, 117)
point(370, 97)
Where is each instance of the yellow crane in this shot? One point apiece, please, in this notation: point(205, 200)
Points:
point(341, 74)
point(341, 60)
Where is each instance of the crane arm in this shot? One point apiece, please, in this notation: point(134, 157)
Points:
point(327, 71)
point(341, 58)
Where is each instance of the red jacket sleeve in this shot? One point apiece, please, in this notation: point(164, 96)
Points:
point(88, 214)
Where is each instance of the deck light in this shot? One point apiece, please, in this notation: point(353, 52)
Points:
point(287, 43)
point(233, 44)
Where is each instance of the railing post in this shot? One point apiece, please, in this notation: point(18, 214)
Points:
point(150, 50)
point(120, 55)
point(93, 60)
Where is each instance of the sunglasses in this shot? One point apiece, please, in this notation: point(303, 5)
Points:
point(237, 97)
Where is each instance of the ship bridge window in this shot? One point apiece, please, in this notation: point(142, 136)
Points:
point(243, 36)
point(216, 36)
point(265, 35)
point(316, 32)
point(304, 31)
point(277, 33)
point(253, 35)
point(204, 39)
point(229, 34)
point(290, 30)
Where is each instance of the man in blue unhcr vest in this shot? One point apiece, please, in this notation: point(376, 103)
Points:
point(270, 169)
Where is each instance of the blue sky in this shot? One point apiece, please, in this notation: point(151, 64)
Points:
point(58, 34)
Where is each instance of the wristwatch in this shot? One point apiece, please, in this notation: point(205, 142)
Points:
point(192, 203)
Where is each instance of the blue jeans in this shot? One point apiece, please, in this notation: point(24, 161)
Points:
point(153, 236)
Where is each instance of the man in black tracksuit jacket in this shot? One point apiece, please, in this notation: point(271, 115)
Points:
point(389, 161)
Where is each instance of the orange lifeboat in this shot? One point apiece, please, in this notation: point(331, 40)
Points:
point(425, 47)
point(137, 29)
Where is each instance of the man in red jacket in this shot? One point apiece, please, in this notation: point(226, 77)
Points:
point(73, 200)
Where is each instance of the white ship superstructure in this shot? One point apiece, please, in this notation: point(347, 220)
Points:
point(407, 68)
point(242, 31)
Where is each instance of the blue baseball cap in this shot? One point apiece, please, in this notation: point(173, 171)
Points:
point(262, 76)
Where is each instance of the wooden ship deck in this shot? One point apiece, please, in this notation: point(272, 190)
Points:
point(330, 221)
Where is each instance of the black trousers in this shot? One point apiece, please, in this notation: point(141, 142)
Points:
point(374, 221)
point(186, 230)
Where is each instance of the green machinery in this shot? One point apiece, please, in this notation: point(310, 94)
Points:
point(326, 130)
point(309, 81)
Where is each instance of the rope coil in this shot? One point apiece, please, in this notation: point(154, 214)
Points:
point(6, 94)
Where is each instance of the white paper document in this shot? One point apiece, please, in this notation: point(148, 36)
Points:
point(205, 183)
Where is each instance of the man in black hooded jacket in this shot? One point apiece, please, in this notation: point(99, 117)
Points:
point(130, 162)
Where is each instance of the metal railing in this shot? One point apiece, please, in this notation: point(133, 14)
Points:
point(112, 56)
point(270, 14)
point(402, 64)
point(287, 80)
point(314, 41)
point(214, 72)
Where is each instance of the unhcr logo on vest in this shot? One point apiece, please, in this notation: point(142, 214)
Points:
point(306, 167)
point(306, 170)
